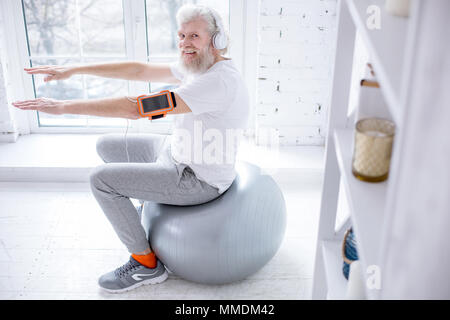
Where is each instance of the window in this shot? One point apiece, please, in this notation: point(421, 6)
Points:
point(68, 32)
point(75, 32)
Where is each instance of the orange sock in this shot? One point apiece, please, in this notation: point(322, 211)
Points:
point(148, 260)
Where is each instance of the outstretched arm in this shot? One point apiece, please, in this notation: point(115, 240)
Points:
point(128, 70)
point(119, 107)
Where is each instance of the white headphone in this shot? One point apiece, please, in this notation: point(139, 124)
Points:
point(219, 38)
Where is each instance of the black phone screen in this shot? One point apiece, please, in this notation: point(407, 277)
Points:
point(155, 103)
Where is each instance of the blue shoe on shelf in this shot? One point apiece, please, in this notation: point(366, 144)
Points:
point(349, 251)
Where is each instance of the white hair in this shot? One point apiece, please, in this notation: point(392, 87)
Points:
point(190, 12)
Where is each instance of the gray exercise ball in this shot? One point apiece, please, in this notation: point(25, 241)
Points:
point(226, 239)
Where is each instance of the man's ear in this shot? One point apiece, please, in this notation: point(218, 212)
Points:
point(214, 51)
point(211, 47)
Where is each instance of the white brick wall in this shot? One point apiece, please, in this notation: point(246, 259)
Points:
point(295, 65)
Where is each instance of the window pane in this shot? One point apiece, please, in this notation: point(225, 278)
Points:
point(77, 87)
point(62, 90)
point(58, 27)
point(99, 87)
point(102, 27)
point(162, 24)
point(51, 27)
point(58, 30)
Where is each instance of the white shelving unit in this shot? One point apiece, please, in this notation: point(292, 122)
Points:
point(331, 251)
point(387, 48)
point(390, 48)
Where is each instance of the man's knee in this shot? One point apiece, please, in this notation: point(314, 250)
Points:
point(102, 144)
point(97, 176)
point(107, 143)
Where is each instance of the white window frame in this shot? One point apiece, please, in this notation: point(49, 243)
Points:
point(243, 32)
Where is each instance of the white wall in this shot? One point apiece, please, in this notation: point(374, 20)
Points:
point(5, 124)
point(8, 129)
point(12, 121)
point(296, 44)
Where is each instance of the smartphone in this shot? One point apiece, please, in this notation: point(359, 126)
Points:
point(157, 104)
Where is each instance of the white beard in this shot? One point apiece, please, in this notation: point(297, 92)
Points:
point(203, 61)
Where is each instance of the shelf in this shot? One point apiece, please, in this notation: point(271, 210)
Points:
point(366, 202)
point(386, 47)
point(336, 282)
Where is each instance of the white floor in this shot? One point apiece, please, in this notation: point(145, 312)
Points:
point(55, 241)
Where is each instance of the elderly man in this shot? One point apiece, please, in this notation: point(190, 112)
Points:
point(211, 97)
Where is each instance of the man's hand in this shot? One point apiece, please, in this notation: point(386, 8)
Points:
point(118, 107)
point(46, 105)
point(54, 72)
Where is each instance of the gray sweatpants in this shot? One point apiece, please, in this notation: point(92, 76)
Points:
point(151, 175)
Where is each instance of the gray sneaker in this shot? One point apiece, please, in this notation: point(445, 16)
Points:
point(132, 275)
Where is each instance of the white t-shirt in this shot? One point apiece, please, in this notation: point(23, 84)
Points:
point(207, 139)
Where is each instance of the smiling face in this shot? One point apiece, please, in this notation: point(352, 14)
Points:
point(194, 41)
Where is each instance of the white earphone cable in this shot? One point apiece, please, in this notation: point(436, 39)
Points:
point(126, 142)
point(133, 100)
